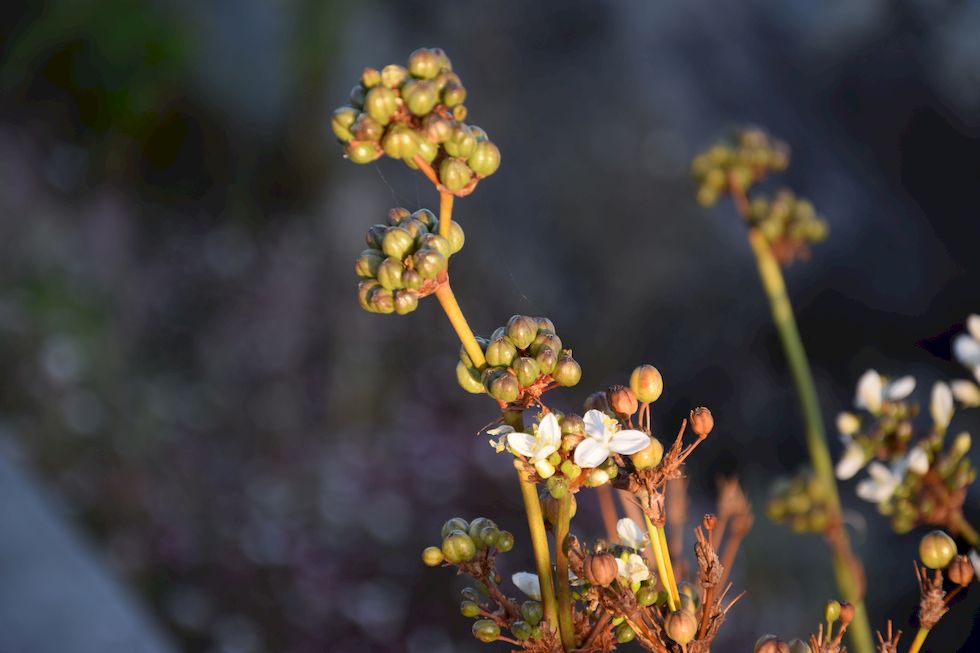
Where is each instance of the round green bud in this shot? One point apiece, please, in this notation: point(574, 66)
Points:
point(420, 96)
point(453, 94)
point(429, 263)
point(454, 524)
point(532, 612)
point(406, 301)
point(570, 470)
point(572, 424)
point(681, 626)
point(381, 103)
point(432, 556)
point(389, 273)
point(557, 486)
point(414, 227)
point(364, 292)
point(504, 387)
point(460, 112)
point(479, 134)
point(436, 242)
point(393, 75)
point(831, 611)
point(522, 330)
point(357, 95)
point(444, 78)
point(936, 550)
point(693, 600)
point(547, 360)
point(486, 630)
point(485, 159)
point(501, 353)
point(412, 279)
point(469, 609)
point(470, 594)
point(545, 325)
point(397, 215)
point(454, 174)
point(375, 236)
point(521, 630)
point(400, 142)
point(567, 372)
point(650, 456)
point(706, 196)
point(456, 237)
point(444, 63)
point(341, 121)
point(363, 151)
point(428, 151)
point(370, 77)
point(461, 142)
point(458, 547)
point(469, 379)
point(366, 265)
point(483, 532)
point(428, 218)
point(647, 383)
point(646, 596)
point(382, 301)
point(436, 129)
point(624, 634)
point(505, 541)
point(398, 243)
point(545, 341)
point(527, 371)
point(366, 128)
point(423, 63)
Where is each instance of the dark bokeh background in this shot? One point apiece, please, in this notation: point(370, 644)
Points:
point(184, 361)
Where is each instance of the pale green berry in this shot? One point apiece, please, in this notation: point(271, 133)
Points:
point(432, 556)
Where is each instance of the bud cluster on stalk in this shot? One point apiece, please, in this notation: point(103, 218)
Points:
point(524, 358)
point(463, 540)
point(787, 222)
point(404, 260)
point(742, 160)
point(801, 502)
point(413, 111)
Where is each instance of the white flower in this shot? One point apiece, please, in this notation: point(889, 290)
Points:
point(630, 534)
point(602, 439)
point(882, 483)
point(966, 392)
point(851, 462)
point(872, 390)
point(848, 423)
point(918, 460)
point(966, 346)
point(537, 447)
point(633, 568)
point(941, 406)
point(528, 583)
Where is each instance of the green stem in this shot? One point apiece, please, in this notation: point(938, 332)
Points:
point(539, 538)
point(566, 627)
point(859, 631)
point(658, 555)
point(920, 637)
point(962, 527)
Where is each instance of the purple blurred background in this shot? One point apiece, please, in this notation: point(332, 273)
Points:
point(182, 358)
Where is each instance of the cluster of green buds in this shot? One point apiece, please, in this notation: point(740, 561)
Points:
point(740, 161)
point(404, 260)
point(801, 502)
point(416, 114)
point(524, 359)
point(462, 541)
point(788, 222)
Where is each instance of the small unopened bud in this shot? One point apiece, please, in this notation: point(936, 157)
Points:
point(709, 521)
point(486, 631)
point(622, 400)
point(601, 568)
point(597, 477)
point(432, 556)
point(960, 571)
point(936, 550)
point(702, 422)
point(771, 644)
point(831, 611)
point(597, 401)
point(650, 456)
point(647, 383)
point(846, 613)
point(681, 626)
point(544, 469)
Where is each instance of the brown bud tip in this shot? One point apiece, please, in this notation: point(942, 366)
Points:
point(622, 400)
point(960, 571)
point(702, 422)
point(846, 613)
point(709, 521)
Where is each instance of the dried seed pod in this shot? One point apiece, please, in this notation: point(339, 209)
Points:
point(960, 571)
point(681, 626)
point(702, 421)
point(846, 613)
point(601, 568)
point(647, 383)
point(622, 400)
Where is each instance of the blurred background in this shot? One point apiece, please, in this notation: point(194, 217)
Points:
point(208, 447)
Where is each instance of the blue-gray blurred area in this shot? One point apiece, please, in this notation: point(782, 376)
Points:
point(256, 463)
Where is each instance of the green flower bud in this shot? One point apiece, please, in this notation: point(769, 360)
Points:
point(961, 445)
point(527, 371)
point(499, 332)
point(366, 128)
point(460, 112)
point(647, 383)
point(364, 291)
point(483, 532)
point(375, 236)
point(461, 142)
point(501, 353)
point(428, 151)
point(420, 96)
point(454, 174)
point(429, 263)
point(366, 265)
point(432, 556)
point(414, 227)
point(454, 524)
point(706, 196)
point(570, 470)
point(470, 594)
point(436, 242)
point(521, 630)
point(485, 159)
point(382, 301)
point(936, 550)
point(521, 330)
point(381, 103)
point(547, 360)
point(357, 96)
point(469, 379)
point(453, 94)
point(503, 387)
point(412, 280)
point(458, 547)
point(545, 325)
point(624, 634)
point(444, 78)
point(567, 372)
point(393, 75)
point(486, 630)
point(389, 273)
point(397, 215)
point(398, 243)
point(479, 134)
point(646, 596)
point(572, 424)
point(436, 129)
point(555, 458)
point(456, 237)
point(505, 541)
point(423, 63)
point(532, 612)
point(341, 122)
point(370, 77)
point(406, 301)
point(469, 609)
point(545, 341)
point(557, 486)
point(681, 626)
point(686, 591)
point(444, 63)
point(831, 611)
point(400, 142)
point(650, 456)
point(363, 151)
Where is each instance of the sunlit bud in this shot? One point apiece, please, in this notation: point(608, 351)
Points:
point(381, 103)
point(436, 128)
point(597, 401)
point(363, 151)
point(572, 424)
point(366, 128)
point(400, 142)
point(532, 612)
point(597, 477)
point(485, 159)
point(960, 570)
point(547, 360)
point(701, 421)
point(458, 547)
point(412, 279)
point(545, 341)
point(414, 227)
point(406, 301)
point(454, 174)
point(544, 467)
point(522, 330)
point(504, 387)
point(646, 596)
point(706, 196)
point(486, 630)
point(622, 400)
point(846, 613)
point(389, 273)
point(831, 611)
point(771, 644)
point(367, 263)
point(423, 63)
point(456, 237)
point(570, 470)
point(936, 550)
point(624, 634)
point(364, 291)
point(393, 75)
point(357, 96)
point(420, 96)
point(429, 263)
point(483, 532)
point(454, 524)
point(460, 112)
point(557, 487)
point(461, 142)
point(799, 646)
point(432, 556)
point(681, 626)
point(650, 456)
point(520, 630)
point(381, 300)
point(505, 541)
point(567, 371)
point(397, 243)
point(601, 568)
point(436, 242)
point(545, 325)
point(527, 370)
point(501, 353)
point(469, 379)
point(341, 122)
point(961, 444)
point(646, 383)
point(686, 589)
point(469, 609)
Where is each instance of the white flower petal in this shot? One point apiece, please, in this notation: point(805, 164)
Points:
point(848, 423)
point(501, 430)
point(500, 444)
point(879, 472)
point(630, 534)
point(528, 583)
point(623, 570)
point(595, 425)
point(966, 392)
point(869, 391)
point(590, 453)
point(629, 441)
point(870, 491)
point(941, 405)
point(549, 431)
point(522, 443)
point(851, 462)
point(637, 569)
point(966, 350)
point(900, 388)
point(918, 460)
point(973, 325)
